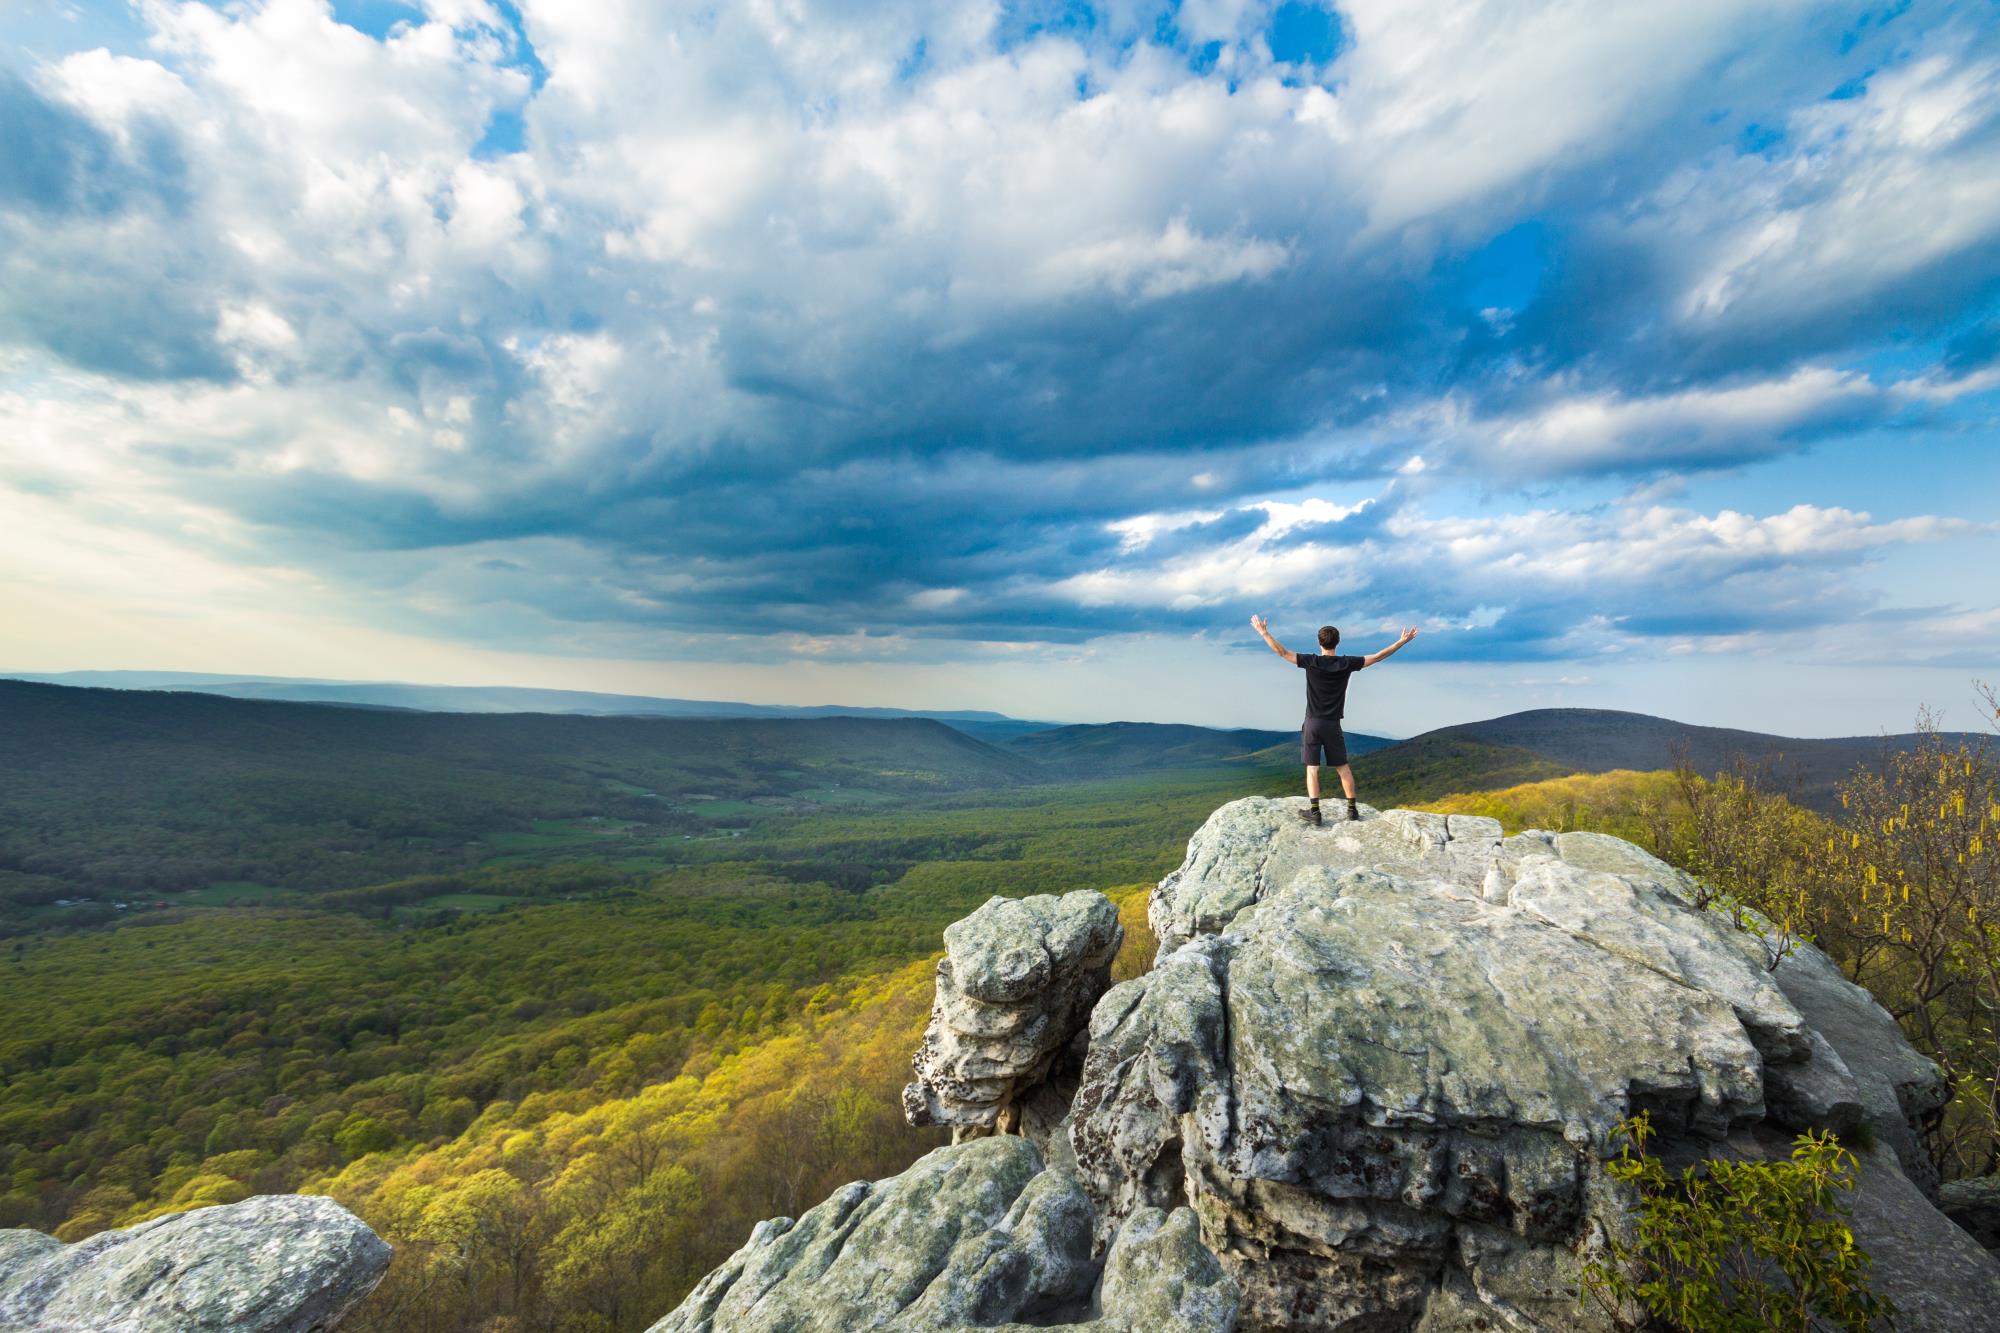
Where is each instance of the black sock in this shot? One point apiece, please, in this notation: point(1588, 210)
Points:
point(1315, 801)
point(1350, 803)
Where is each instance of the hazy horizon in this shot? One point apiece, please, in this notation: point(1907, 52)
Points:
point(1971, 719)
point(1011, 356)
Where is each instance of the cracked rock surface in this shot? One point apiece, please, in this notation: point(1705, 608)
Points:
point(276, 1263)
point(1015, 985)
point(974, 1236)
point(1369, 1086)
point(1382, 1062)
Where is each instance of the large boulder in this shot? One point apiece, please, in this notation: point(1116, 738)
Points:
point(975, 1236)
point(1383, 1062)
point(1370, 1086)
point(1017, 982)
point(276, 1263)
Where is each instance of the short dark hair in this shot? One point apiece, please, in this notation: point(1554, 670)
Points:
point(1329, 637)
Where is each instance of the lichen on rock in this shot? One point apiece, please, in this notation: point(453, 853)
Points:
point(1369, 1086)
point(274, 1263)
point(973, 1236)
point(1383, 1061)
point(1015, 985)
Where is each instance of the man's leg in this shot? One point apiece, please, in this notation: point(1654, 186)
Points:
point(1347, 790)
point(1312, 752)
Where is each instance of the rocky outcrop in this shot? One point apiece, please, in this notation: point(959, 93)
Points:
point(1369, 1086)
point(1383, 1062)
point(1015, 986)
point(277, 1263)
point(974, 1236)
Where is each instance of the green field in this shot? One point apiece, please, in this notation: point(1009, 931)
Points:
point(468, 902)
point(237, 891)
point(726, 809)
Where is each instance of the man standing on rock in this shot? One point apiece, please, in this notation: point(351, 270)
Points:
point(1326, 699)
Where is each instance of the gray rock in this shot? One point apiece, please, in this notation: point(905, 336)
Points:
point(1252, 847)
point(286, 1263)
point(1900, 1094)
point(1015, 985)
point(1939, 1277)
point(1382, 1062)
point(1601, 851)
point(1370, 1084)
point(974, 1236)
point(1975, 1206)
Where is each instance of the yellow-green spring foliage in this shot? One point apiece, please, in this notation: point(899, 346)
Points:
point(1740, 1247)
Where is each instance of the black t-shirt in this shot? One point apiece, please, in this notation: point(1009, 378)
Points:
point(1326, 682)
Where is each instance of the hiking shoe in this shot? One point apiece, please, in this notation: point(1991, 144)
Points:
point(1352, 815)
point(1310, 815)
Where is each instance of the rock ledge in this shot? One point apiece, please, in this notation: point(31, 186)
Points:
point(276, 1263)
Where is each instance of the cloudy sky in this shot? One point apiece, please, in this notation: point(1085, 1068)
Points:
point(1010, 356)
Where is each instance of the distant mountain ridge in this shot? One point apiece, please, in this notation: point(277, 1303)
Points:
point(155, 789)
point(178, 788)
point(1550, 742)
point(483, 698)
point(1113, 747)
point(1093, 749)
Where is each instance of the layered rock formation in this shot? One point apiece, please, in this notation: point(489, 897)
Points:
point(1383, 1062)
point(277, 1263)
point(977, 1235)
point(1370, 1084)
point(1015, 986)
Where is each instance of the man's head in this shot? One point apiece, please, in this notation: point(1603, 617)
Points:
point(1329, 638)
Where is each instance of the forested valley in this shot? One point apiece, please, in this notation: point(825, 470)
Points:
point(668, 982)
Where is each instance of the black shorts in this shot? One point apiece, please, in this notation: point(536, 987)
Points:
point(1322, 733)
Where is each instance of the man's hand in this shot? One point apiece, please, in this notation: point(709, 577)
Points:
point(1409, 632)
point(1263, 628)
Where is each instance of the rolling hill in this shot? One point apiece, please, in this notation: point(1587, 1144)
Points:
point(491, 698)
point(155, 790)
point(1124, 747)
point(106, 793)
point(1550, 742)
point(115, 792)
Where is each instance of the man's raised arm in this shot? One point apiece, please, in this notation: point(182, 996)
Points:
point(1263, 629)
point(1409, 633)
